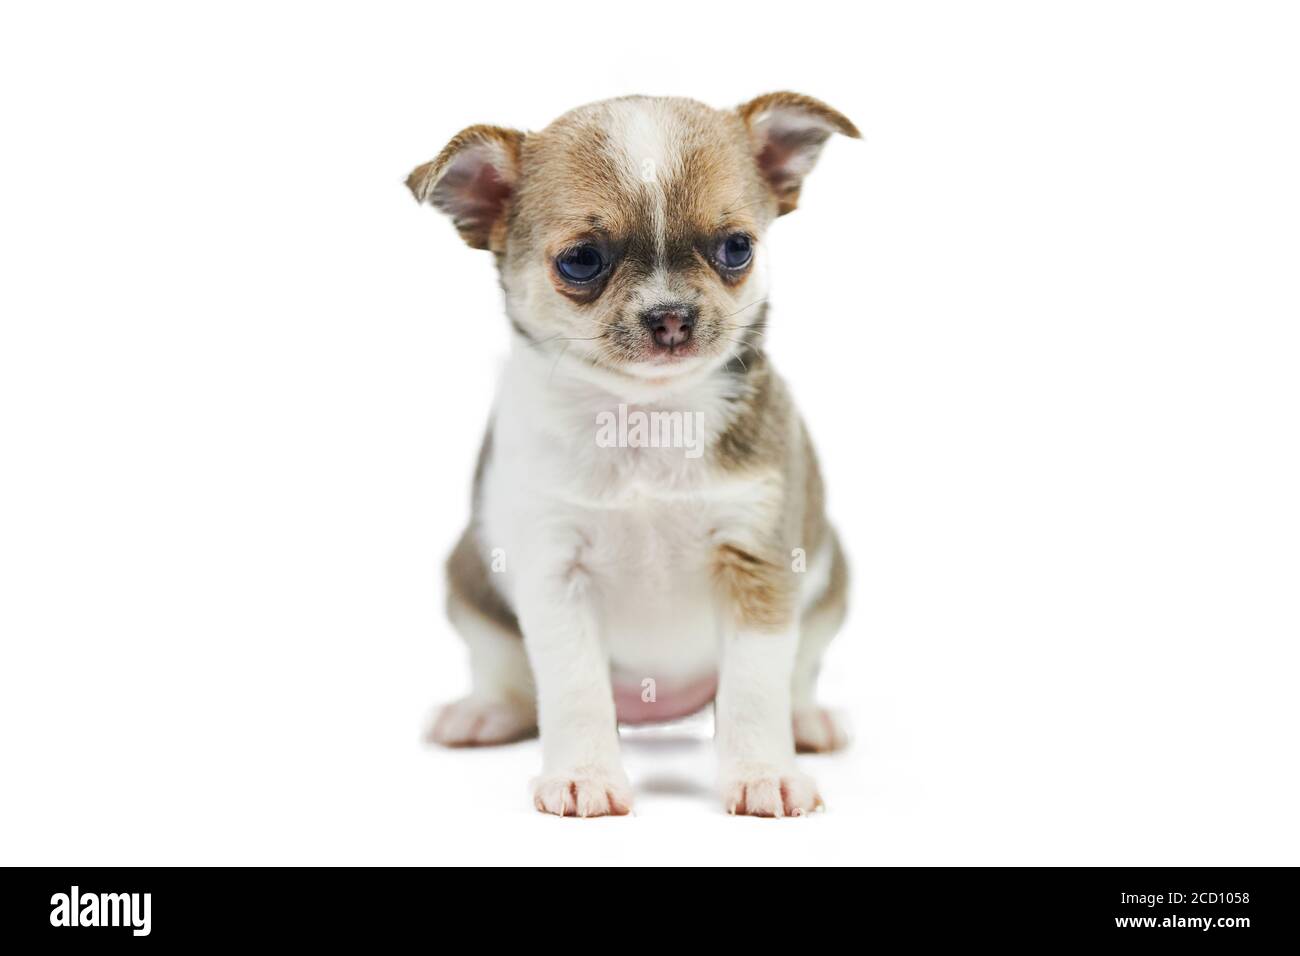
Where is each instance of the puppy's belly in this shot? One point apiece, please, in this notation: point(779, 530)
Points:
point(662, 633)
point(651, 703)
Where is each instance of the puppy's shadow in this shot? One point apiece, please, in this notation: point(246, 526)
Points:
point(672, 785)
point(676, 743)
point(678, 753)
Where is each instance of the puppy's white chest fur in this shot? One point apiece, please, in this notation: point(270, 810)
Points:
point(655, 595)
point(636, 525)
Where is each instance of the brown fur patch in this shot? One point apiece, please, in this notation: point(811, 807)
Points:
point(759, 432)
point(760, 589)
point(766, 437)
point(570, 188)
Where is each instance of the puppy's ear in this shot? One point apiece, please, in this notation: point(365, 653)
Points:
point(787, 131)
point(472, 180)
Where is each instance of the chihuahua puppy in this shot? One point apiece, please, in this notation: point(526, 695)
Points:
point(648, 532)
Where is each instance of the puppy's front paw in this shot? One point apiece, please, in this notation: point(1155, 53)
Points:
point(819, 730)
point(479, 722)
point(762, 790)
point(583, 792)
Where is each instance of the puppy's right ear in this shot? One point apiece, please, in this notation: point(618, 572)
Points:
point(472, 181)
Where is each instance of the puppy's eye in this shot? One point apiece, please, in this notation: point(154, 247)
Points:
point(580, 264)
point(736, 251)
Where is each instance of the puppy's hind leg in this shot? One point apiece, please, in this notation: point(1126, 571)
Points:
point(501, 706)
point(818, 729)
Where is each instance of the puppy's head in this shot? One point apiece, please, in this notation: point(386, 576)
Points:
point(629, 233)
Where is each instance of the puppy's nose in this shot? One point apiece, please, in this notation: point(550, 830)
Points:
point(670, 325)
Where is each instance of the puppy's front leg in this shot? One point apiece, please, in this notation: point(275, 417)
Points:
point(582, 774)
point(754, 735)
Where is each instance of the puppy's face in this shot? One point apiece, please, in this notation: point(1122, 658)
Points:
point(629, 233)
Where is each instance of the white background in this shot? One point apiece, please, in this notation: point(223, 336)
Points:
point(1042, 321)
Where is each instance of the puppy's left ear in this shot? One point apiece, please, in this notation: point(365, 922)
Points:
point(787, 132)
point(472, 181)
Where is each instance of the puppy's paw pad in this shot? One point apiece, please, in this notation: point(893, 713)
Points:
point(480, 722)
point(583, 792)
point(765, 791)
point(820, 730)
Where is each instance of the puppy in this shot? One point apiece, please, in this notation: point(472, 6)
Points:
point(647, 532)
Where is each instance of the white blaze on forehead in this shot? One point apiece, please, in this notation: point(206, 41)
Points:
point(646, 139)
point(658, 289)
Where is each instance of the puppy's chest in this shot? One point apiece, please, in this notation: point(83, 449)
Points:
point(643, 522)
point(653, 540)
point(651, 564)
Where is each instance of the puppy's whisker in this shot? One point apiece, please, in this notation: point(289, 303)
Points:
point(744, 307)
point(540, 342)
point(736, 354)
point(753, 330)
point(556, 363)
point(568, 338)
